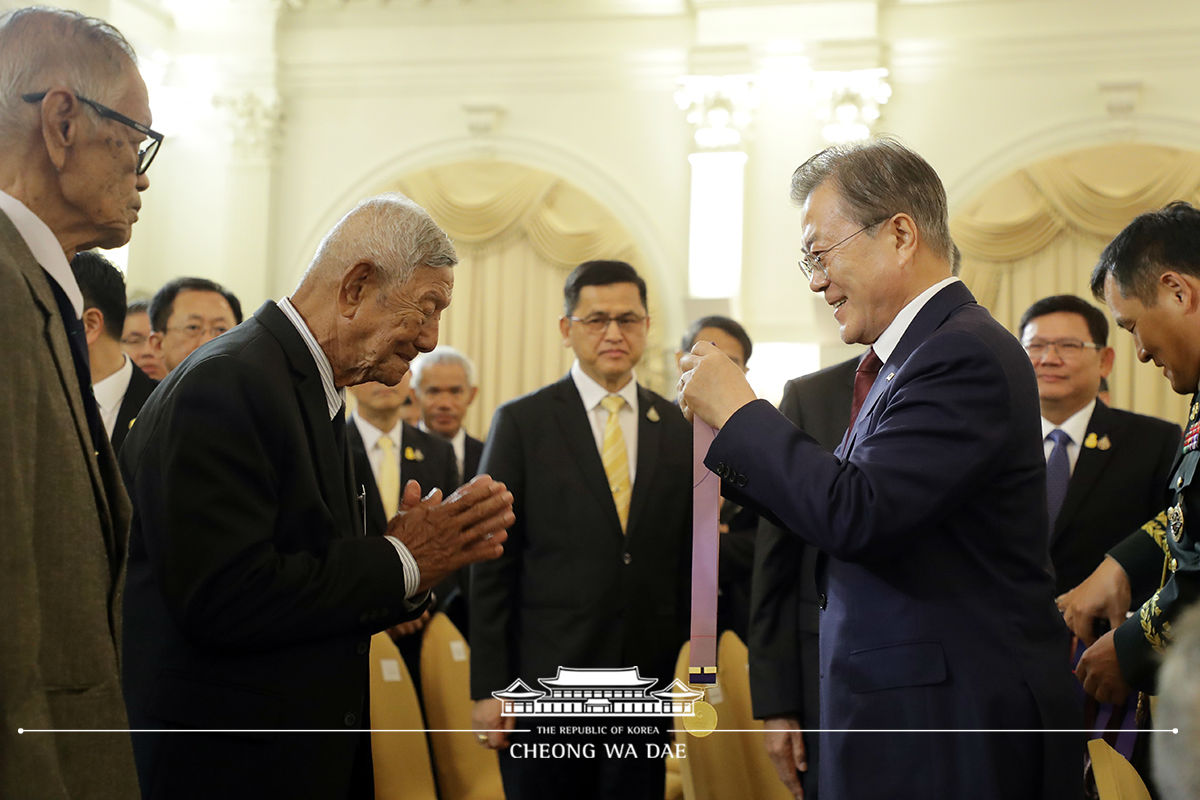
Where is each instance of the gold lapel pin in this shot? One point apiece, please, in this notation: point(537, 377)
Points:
point(1090, 441)
point(413, 454)
point(652, 414)
point(1104, 442)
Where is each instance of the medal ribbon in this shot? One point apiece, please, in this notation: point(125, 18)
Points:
point(706, 494)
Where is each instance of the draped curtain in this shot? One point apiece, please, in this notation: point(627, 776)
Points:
point(1040, 231)
point(519, 232)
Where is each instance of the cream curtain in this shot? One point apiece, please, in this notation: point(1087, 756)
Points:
point(519, 232)
point(1040, 231)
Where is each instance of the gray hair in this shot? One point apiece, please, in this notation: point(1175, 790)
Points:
point(1176, 770)
point(878, 179)
point(41, 47)
point(442, 355)
point(389, 231)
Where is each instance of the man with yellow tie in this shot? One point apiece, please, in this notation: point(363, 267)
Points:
point(596, 568)
point(388, 453)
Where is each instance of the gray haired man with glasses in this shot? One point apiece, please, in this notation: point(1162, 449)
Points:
point(75, 142)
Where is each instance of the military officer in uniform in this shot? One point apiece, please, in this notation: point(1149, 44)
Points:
point(1149, 276)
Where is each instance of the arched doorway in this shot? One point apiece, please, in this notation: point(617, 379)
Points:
point(519, 231)
point(1039, 231)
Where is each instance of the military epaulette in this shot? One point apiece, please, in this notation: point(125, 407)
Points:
point(1191, 439)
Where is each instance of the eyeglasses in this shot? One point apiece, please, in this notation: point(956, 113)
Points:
point(195, 331)
point(1067, 349)
point(598, 323)
point(145, 155)
point(811, 264)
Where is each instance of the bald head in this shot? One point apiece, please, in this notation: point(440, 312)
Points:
point(45, 47)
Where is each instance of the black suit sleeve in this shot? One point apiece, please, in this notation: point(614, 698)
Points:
point(494, 584)
point(776, 668)
point(229, 576)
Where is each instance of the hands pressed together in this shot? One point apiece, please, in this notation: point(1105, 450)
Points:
point(446, 535)
point(1104, 595)
point(712, 387)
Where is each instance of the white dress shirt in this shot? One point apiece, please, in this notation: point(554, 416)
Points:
point(371, 436)
point(45, 247)
point(592, 394)
point(893, 333)
point(1076, 427)
point(110, 392)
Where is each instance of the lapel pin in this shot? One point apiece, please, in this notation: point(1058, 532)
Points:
point(413, 454)
point(1090, 441)
point(890, 375)
point(1104, 442)
point(652, 414)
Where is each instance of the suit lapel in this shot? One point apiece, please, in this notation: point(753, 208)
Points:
point(55, 334)
point(649, 442)
point(140, 387)
point(364, 479)
point(577, 433)
point(931, 316)
point(333, 467)
point(1089, 466)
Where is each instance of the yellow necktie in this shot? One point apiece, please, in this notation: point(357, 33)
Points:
point(616, 458)
point(389, 477)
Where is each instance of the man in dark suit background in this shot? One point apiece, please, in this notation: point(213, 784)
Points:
point(1117, 461)
point(387, 454)
point(187, 312)
point(937, 592)
point(119, 386)
point(74, 149)
point(596, 571)
point(784, 603)
point(444, 384)
point(253, 590)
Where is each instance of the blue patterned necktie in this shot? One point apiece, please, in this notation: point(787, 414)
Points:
point(1058, 473)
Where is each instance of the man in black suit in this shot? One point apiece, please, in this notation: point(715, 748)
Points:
point(784, 603)
point(444, 384)
point(120, 387)
point(187, 312)
point(596, 572)
point(388, 453)
point(252, 590)
point(1118, 462)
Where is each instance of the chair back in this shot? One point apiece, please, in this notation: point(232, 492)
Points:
point(403, 770)
point(466, 770)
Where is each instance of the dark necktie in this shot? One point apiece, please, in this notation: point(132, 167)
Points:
point(864, 378)
point(77, 339)
point(1058, 473)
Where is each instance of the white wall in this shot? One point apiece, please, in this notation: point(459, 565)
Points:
point(370, 90)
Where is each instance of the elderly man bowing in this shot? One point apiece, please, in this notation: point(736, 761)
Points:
point(253, 589)
point(937, 594)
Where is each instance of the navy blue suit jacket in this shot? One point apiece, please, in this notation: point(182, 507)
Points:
point(938, 592)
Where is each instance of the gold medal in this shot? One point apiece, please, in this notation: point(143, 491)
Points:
point(704, 722)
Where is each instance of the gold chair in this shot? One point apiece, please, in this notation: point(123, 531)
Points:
point(1116, 779)
point(466, 770)
point(402, 767)
point(737, 714)
point(715, 767)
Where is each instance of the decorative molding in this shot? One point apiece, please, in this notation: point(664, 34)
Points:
point(847, 103)
point(718, 107)
point(255, 121)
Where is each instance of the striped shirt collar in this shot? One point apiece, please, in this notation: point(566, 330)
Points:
point(335, 398)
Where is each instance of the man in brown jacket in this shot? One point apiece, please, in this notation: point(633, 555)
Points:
point(74, 148)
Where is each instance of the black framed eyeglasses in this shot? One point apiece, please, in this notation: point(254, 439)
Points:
point(1067, 349)
point(597, 324)
point(145, 155)
point(811, 264)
